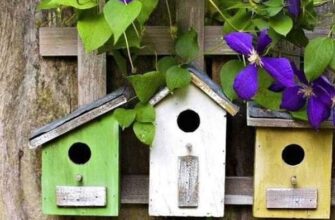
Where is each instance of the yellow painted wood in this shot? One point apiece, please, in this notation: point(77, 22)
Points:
point(313, 172)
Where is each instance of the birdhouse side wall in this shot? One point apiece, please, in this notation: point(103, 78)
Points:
point(101, 170)
point(208, 143)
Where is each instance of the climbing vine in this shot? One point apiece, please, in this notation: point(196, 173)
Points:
point(254, 29)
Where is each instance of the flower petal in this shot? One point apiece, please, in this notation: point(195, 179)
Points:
point(300, 74)
point(276, 87)
point(263, 41)
point(333, 115)
point(322, 94)
point(294, 7)
point(292, 100)
point(240, 42)
point(280, 69)
point(317, 112)
point(324, 83)
point(246, 82)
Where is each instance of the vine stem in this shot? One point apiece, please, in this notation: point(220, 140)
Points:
point(133, 70)
point(222, 15)
point(169, 15)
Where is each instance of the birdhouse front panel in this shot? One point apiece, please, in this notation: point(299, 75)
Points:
point(80, 171)
point(187, 159)
point(292, 173)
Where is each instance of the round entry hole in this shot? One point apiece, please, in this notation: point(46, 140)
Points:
point(188, 121)
point(79, 153)
point(293, 154)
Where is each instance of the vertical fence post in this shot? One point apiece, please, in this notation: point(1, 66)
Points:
point(191, 13)
point(91, 74)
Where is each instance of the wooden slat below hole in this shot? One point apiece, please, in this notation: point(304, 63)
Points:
point(239, 190)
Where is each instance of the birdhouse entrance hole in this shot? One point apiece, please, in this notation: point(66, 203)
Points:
point(79, 153)
point(188, 121)
point(293, 154)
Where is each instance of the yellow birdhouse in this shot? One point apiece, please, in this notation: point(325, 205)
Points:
point(292, 176)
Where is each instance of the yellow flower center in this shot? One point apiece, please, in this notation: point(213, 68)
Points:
point(307, 92)
point(254, 58)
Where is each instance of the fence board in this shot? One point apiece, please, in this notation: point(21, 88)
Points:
point(63, 41)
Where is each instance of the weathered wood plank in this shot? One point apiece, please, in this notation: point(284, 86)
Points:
point(91, 75)
point(81, 196)
point(291, 198)
point(239, 190)
point(188, 182)
point(191, 14)
point(157, 39)
point(260, 117)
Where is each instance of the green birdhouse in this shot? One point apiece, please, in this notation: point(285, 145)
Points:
point(80, 160)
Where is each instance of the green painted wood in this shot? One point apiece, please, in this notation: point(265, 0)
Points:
point(102, 136)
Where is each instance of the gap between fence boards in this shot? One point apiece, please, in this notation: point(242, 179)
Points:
point(239, 190)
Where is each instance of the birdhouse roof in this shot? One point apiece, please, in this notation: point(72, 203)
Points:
point(205, 84)
point(81, 116)
point(261, 117)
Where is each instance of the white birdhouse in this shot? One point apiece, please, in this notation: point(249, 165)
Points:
point(187, 159)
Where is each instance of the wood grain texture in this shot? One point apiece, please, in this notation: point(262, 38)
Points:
point(157, 39)
point(313, 172)
point(91, 76)
point(101, 170)
point(191, 14)
point(170, 143)
point(81, 196)
point(75, 123)
point(291, 198)
point(188, 182)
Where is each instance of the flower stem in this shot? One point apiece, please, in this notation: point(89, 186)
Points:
point(169, 15)
point(222, 15)
point(133, 69)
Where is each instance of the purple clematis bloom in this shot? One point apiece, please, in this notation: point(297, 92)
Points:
point(246, 82)
point(125, 1)
point(330, 89)
point(316, 96)
point(294, 7)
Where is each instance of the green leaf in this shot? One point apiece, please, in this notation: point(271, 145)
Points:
point(48, 4)
point(187, 45)
point(93, 30)
point(165, 63)
point(125, 117)
point(145, 113)
point(120, 16)
point(148, 6)
point(297, 37)
point(134, 41)
point(177, 77)
point(146, 85)
point(300, 115)
point(79, 4)
point(120, 61)
point(240, 20)
point(228, 73)
point(145, 132)
point(260, 23)
point(273, 7)
point(309, 17)
point(332, 62)
point(265, 97)
point(317, 56)
point(282, 24)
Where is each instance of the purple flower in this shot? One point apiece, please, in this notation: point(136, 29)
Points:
point(314, 93)
point(126, 1)
point(246, 82)
point(294, 7)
